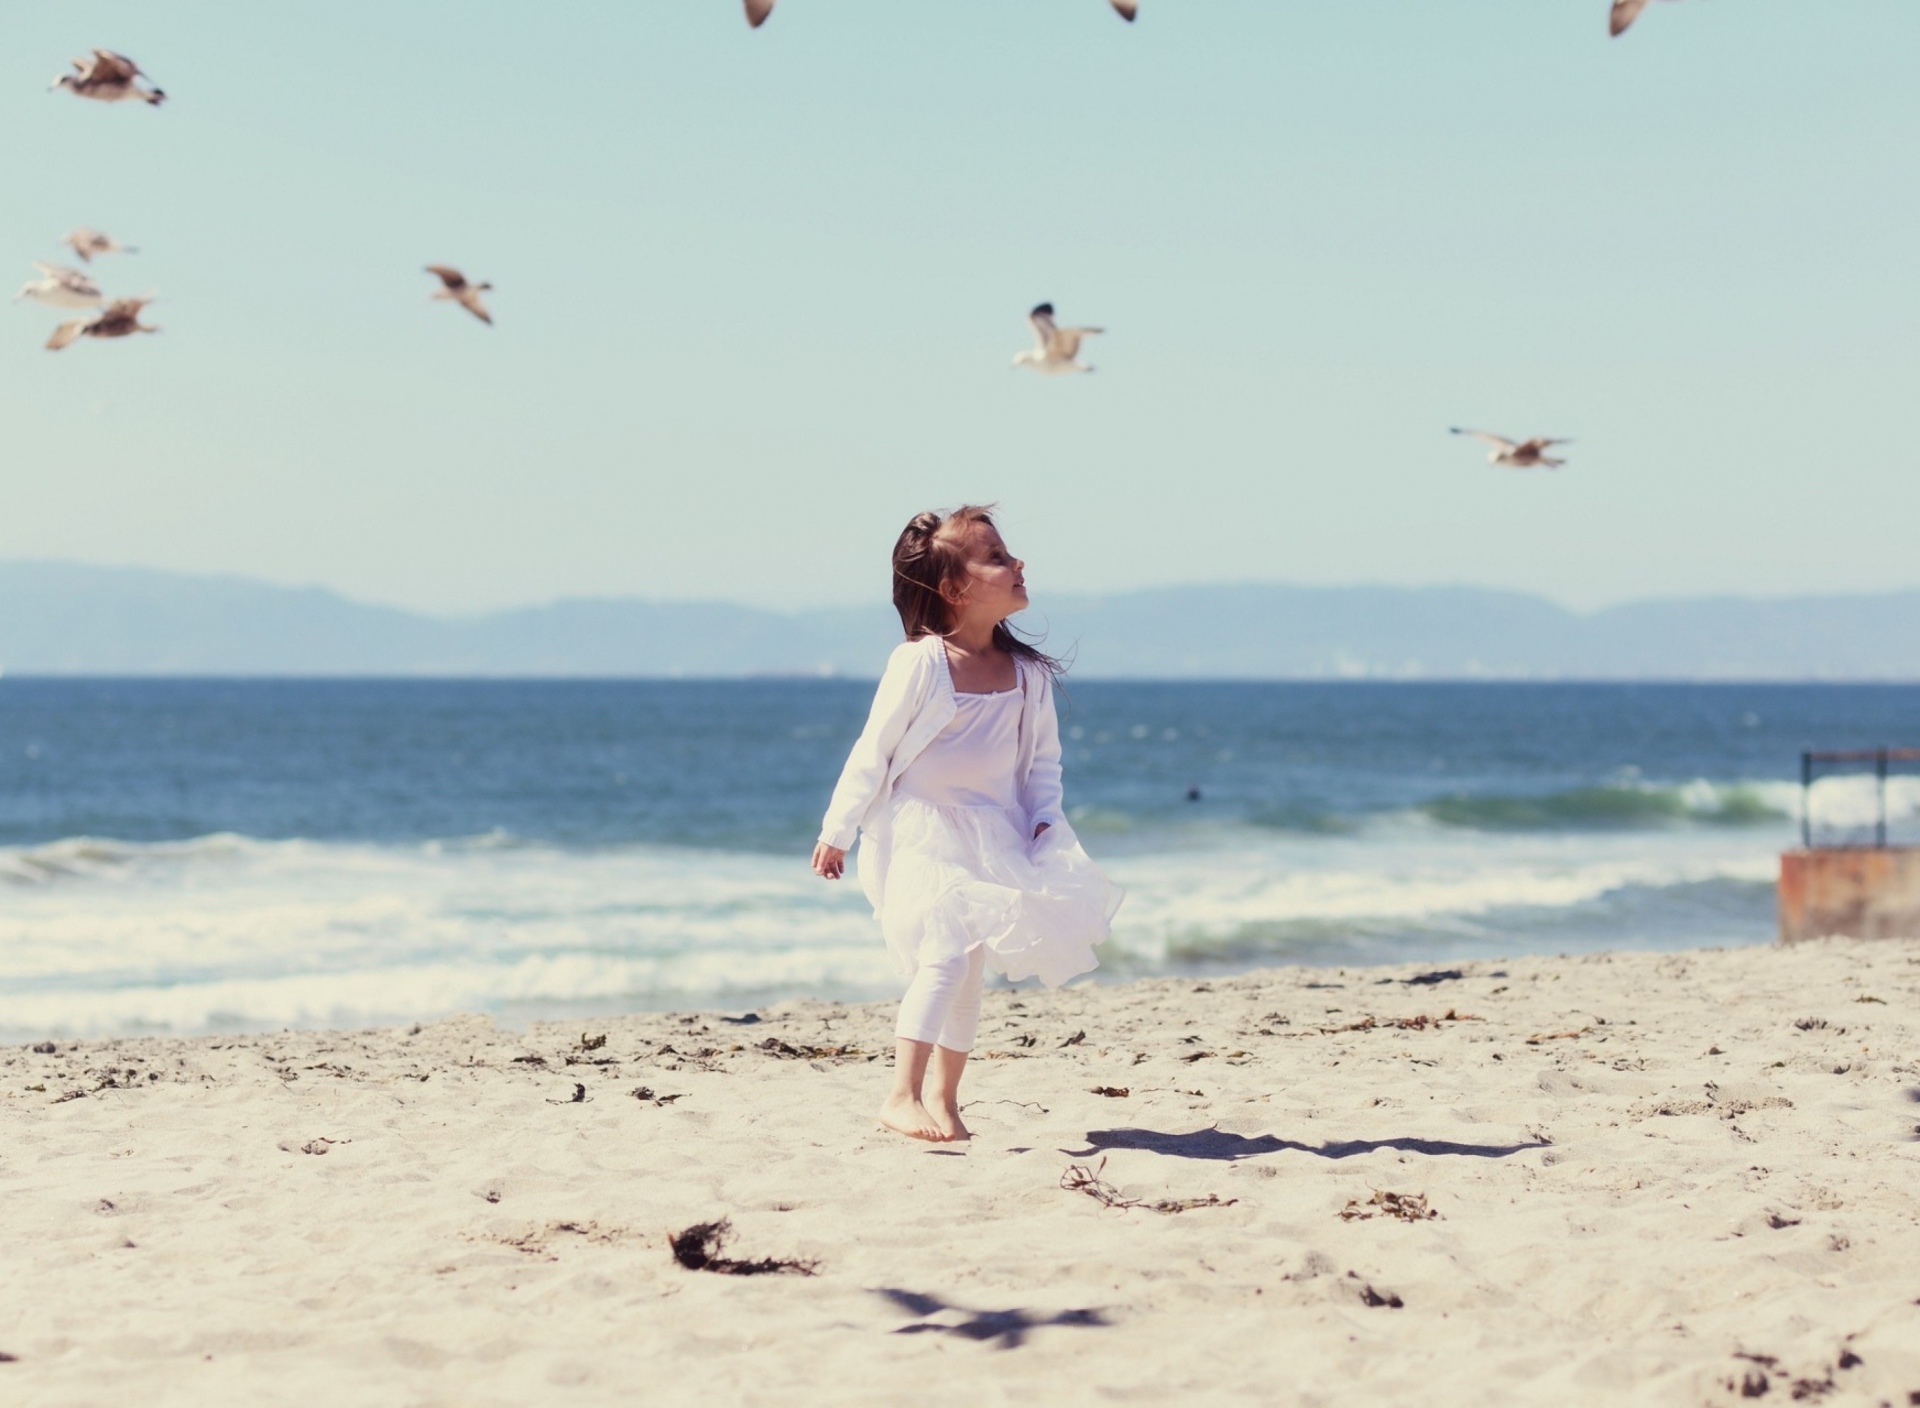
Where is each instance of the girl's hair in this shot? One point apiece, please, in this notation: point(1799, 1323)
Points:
point(927, 557)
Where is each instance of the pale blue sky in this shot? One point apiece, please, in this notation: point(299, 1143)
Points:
point(758, 292)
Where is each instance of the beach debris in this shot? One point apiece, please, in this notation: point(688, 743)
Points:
point(120, 318)
point(1407, 1207)
point(1516, 454)
point(1810, 1024)
point(457, 290)
point(1420, 1023)
point(592, 1043)
point(321, 1145)
point(698, 1248)
point(108, 77)
point(1438, 975)
point(751, 1019)
point(1193, 1056)
point(1075, 1039)
point(61, 287)
point(1539, 1037)
point(6, 1358)
point(645, 1092)
point(121, 1078)
point(86, 242)
point(44, 1048)
point(529, 1060)
point(1373, 1298)
point(1113, 1092)
point(579, 1096)
point(592, 1231)
point(1623, 13)
point(1056, 349)
point(70, 1095)
point(788, 1051)
point(1079, 1178)
point(534, 1241)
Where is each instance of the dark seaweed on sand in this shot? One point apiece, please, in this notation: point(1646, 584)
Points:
point(1078, 1178)
point(698, 1249)
point(788, 1051)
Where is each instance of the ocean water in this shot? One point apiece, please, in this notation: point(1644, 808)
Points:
point(187, 856)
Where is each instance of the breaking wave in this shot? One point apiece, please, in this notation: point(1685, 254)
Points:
point(1621, 806)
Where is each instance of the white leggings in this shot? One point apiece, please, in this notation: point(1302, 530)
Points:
point(942, 1004)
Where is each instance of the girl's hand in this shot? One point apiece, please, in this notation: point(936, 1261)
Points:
point(829, 862)
point(1041, 827)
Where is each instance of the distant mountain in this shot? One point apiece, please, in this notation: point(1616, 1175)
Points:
point(67, 619)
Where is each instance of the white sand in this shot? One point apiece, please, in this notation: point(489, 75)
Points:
point(1626, 1214)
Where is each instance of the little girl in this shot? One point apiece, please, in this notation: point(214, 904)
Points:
point(954, 790)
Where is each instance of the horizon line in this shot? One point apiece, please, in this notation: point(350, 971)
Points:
point(1080, 594)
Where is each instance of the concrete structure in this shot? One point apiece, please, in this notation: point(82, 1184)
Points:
point(1856, 892)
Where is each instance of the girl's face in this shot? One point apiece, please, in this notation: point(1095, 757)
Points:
point(995, 586)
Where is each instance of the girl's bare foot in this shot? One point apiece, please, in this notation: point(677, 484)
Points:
point(905, 1115)
point(952, 1128)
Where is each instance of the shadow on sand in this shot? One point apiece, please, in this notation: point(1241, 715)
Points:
point(1005, 1329)
point(1218, 1145)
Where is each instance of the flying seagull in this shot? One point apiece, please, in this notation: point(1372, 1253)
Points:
point(120, 318)
point(458, 290)
point(1056, 349)
point(109, 78)
point(758, 10)
point(61, 287)
point(1625, 12)
point(1517, 454)
point(87, 242)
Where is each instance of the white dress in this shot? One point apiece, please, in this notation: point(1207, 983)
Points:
point(962, 867)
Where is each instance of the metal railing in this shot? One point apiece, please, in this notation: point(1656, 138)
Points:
point(1881, 759)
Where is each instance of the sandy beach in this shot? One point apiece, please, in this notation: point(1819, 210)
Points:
point(1653, 1178)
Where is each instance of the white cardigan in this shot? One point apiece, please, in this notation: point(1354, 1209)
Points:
point(914, 702)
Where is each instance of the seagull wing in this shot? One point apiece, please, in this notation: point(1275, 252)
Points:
point(1127, 8)
point(68, 278)
point(470, 300)
point(1067, 340)
point(451, 277)
point(1625, 12)
point(1500, 441)
point(67, 333)
point(1045, 330)
point(109, 67)
point(757, 12)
